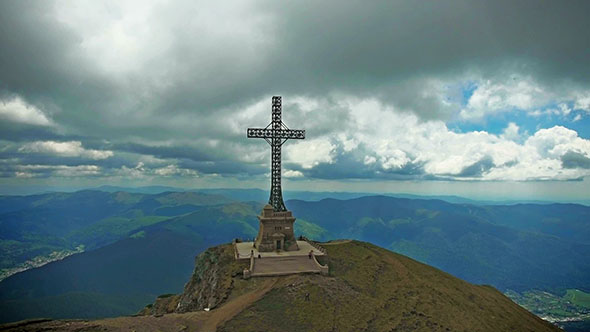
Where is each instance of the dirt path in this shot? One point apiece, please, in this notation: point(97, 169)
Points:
point(201, 321)
point(334, 242)
point(234, 307)
point(190, 322)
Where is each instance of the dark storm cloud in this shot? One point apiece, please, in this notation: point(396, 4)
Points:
point(478, 168)
point(310, 48)
point(327, 117)
point(351, 165)
point(166, 152)
point(363, 48)
point(195, 159)
point(190, 83)
point(345, 168)
point(39, 62)
point(17, 157)
point(572, 159)
point(35, 45)
point(17, 132)
point(335, 172)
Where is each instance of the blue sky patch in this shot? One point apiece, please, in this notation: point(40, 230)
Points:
point(526, 121)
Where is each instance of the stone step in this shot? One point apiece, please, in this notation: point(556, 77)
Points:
point(284, 265)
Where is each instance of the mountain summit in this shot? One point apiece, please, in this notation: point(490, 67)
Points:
point(368, 289)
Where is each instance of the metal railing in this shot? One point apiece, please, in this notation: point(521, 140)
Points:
point(314, 244)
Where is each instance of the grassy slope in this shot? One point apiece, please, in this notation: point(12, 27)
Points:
point(369, 289)
point(155, 259)
point(372, 289)
point(578, 297)
point(468, 241)
point(37, 225)
point(109, 230)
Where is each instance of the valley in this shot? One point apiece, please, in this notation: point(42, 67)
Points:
point(368, 289)
point(138, 246)
point(39, 261)
point(554, 308)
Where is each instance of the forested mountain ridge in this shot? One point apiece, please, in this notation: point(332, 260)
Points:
point(135, 237)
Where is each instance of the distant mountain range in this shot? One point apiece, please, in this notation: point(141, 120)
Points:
point(262, 195)
point(514, 247)
point(136, 250)
point(140, 245)
point(39, 224)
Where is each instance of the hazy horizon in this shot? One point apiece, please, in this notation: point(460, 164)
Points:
point(425, 192)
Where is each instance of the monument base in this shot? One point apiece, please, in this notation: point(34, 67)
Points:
point(276, 231)
point(244, 250)
point(276, 263)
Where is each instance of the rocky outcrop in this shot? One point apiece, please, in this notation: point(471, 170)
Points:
point(212, 279)
point(372, 289)
point(164, 304)
point(210, 284)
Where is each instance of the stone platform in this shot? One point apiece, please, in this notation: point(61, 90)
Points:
point(277, 263)
point(243, 251)
point(278, 266)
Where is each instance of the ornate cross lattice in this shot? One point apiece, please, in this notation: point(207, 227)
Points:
point(276, 133)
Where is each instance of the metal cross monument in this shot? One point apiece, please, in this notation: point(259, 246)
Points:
point(276, 133)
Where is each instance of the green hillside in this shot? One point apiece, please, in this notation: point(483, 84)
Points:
point(120, 278)
point(475, 243)
point(372, 289)
point(573, 306)
point(578, 297)
point(38, 225)
point(368, 289)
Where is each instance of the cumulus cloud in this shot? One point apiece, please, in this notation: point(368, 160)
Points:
point(288, 173)
point(515, 93)
point(310, 153)
point(583, 102)
point(489, 98)
point(398, 145)
point(511, 132)
point(156, 89)
point(158, 65)
point(369, 160)
point(174, 170)
point(82, 170)
point(143, 171)
point(139, 171)
point(556, 141)
point(28, 171)
point(17, 110)
point(65, 149)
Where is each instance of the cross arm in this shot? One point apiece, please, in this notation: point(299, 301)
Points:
point(276, 133)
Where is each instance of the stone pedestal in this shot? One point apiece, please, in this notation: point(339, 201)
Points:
point(276, 231)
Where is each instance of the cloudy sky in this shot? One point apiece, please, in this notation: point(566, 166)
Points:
point(481, 99)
